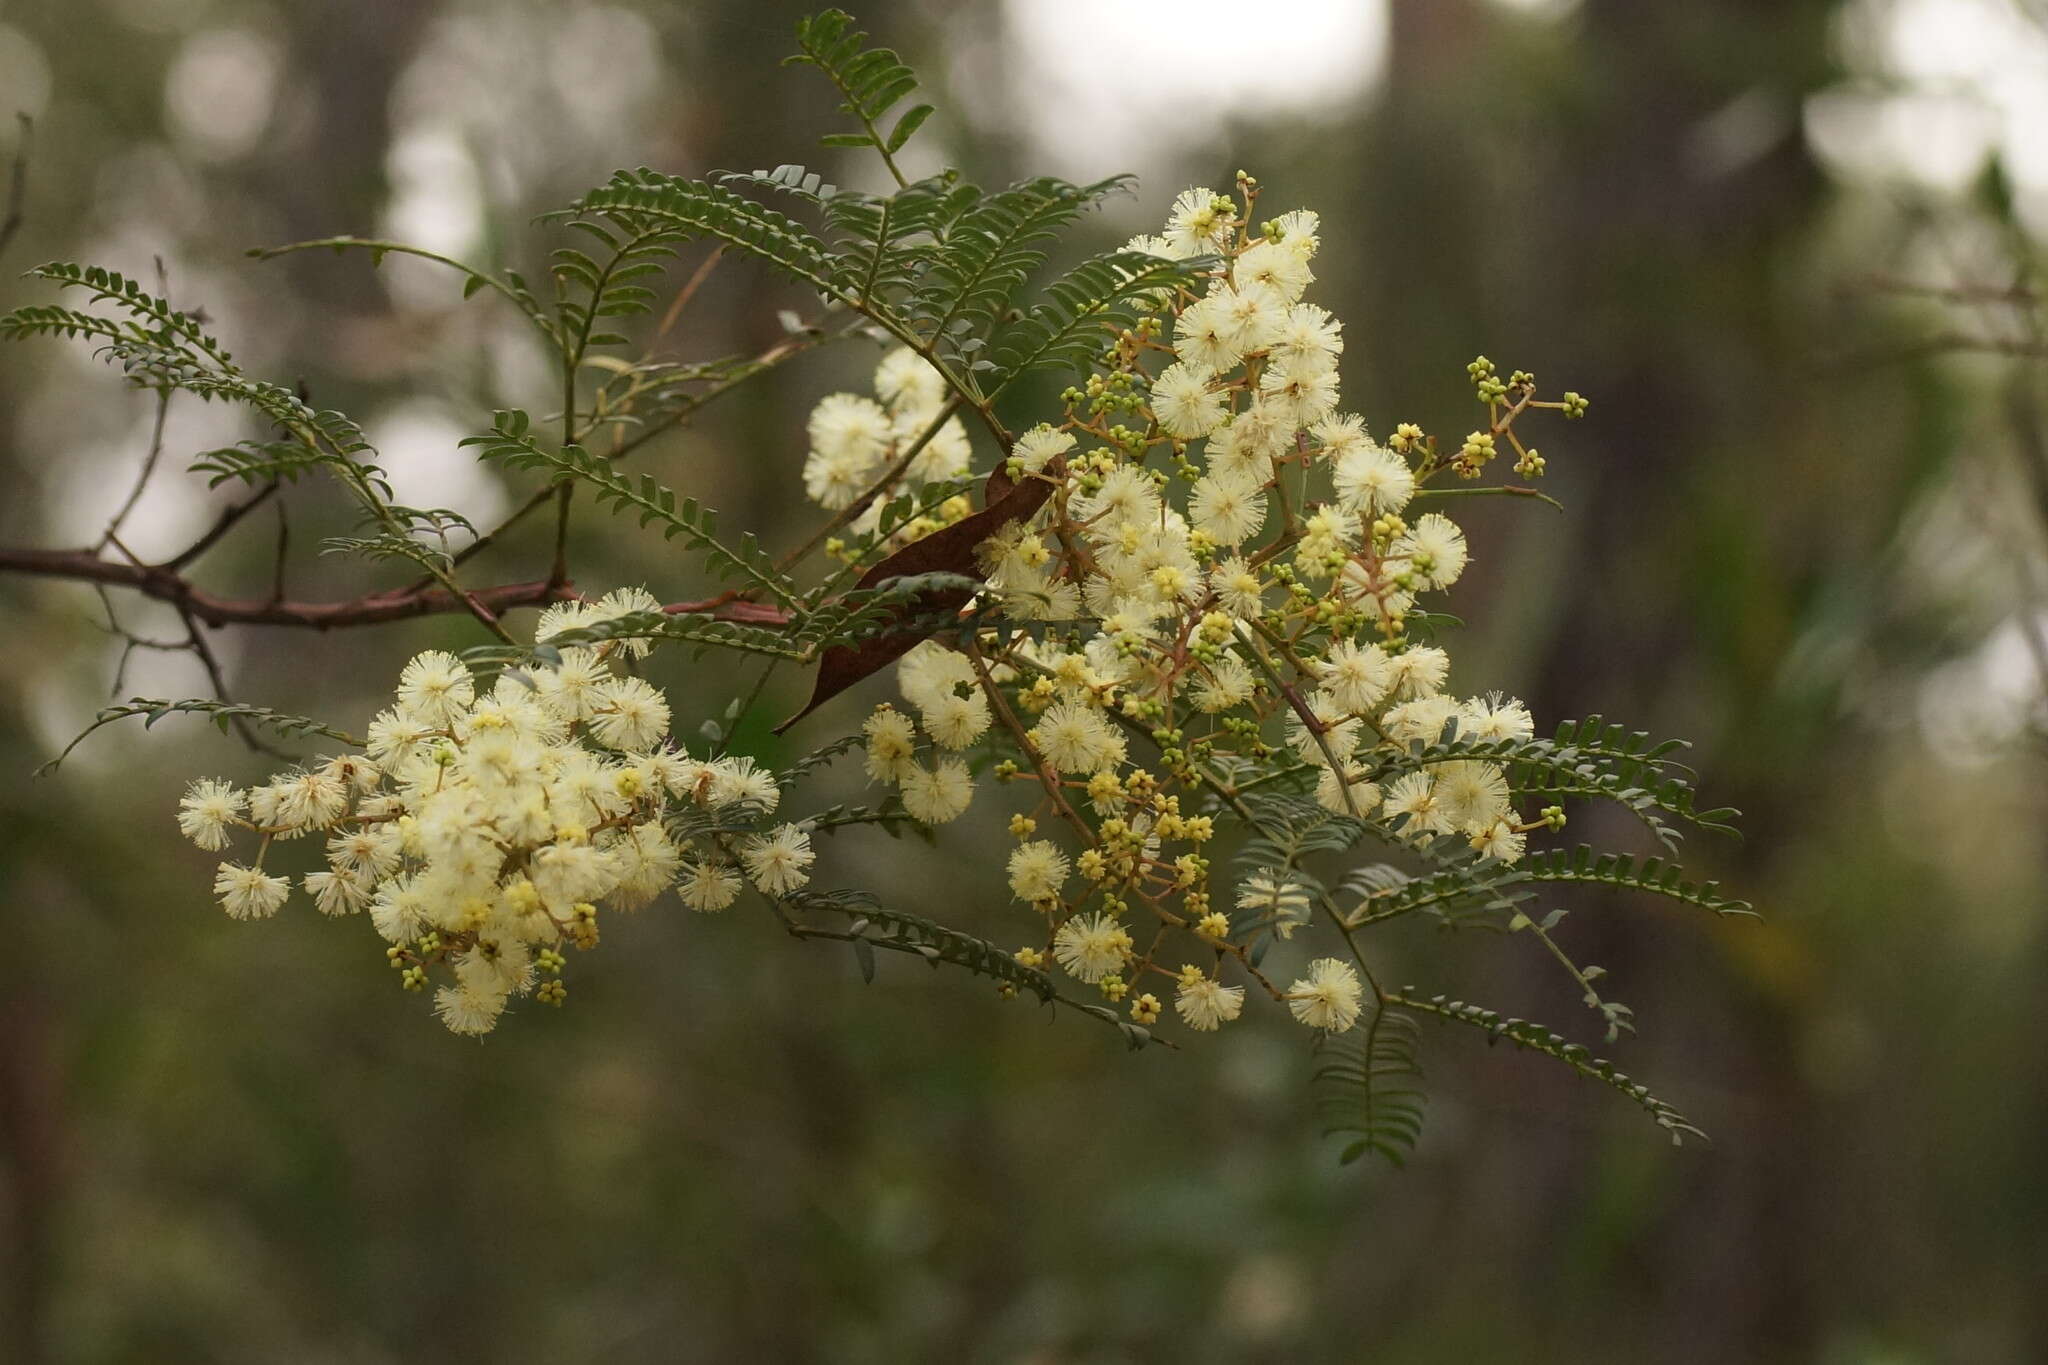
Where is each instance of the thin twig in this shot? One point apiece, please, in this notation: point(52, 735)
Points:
point(220, 689)
point(1047, 776)
point(149, 460)
point(130, 642)
point(685, 294)
point(782, 350)
point(849, 513)
point(746, 705)
point(229, 515)
point(558, 571)
point(284, 540)
point(1512, 490)
point(165, 584)
point(774, 355)
point(17, 186)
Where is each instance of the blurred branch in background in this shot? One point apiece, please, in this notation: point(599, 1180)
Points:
point(17, 186)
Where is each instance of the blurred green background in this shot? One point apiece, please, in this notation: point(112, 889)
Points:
point(1805, 531)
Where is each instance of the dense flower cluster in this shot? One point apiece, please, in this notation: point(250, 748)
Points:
point(1225, 587)
point(1186, 631)
point(481, 830)
point(906, 442)
point(1230, 568)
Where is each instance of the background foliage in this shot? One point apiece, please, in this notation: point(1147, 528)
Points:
point(1805, 531)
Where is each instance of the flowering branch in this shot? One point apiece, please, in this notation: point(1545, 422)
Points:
point(164, 583)
point(1195, 549)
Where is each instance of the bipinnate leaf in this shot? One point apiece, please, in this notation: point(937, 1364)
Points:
point(948, 550)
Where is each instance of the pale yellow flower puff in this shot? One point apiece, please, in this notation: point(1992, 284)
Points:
point(1091, 946)
point(891, 745)
point(956, 721)
point(1187, 408)
point(1206, 1004)
point(938, 794)
point(709, 884)
point(247, 893)
point(206, 810)
point(435, 688)
point(467, 1010)
point(1037, 447)
point(1038, 871)
point(1077, 739)
point(777, 863)
point(1330, 997)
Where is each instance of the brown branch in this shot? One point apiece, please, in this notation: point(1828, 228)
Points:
point(727, 606)
point(164, 583)
point(243, 730)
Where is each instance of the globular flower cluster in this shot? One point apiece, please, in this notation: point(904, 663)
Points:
point(1230, 575)
point(483, 830)
point(908, 427)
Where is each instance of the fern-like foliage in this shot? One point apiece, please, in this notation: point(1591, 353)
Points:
point(872, 81)
point(611, 286)
point(789, 774)
point(160, 347)
point(1537, 1038)
point(704, 632)
point(1584, 867)
point(1588, 759)
point(1457, 885)
point(991, 250)
point(511, 442)
point(222, 713)
point(148, 318)
point(1080, 309)
point(663, 209)
point(1288, 827)
point(875, 926)
point(508, 283)
point(388, 545)
point(891, 818)
point(257, 462)
point(1368, 1086)
point(890, 241)
point(934, 942)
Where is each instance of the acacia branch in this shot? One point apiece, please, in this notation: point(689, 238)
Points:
point(164, 583)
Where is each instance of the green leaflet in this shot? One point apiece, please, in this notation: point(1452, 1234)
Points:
point(153, 710)
point(511, 443)
point(1368, 1085)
